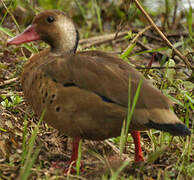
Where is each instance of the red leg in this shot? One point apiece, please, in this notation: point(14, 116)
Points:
point(70, 165)
point(74, 156)
point(75, 146)
point(138, 150)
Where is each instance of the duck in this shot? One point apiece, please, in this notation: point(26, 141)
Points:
point(85, 94)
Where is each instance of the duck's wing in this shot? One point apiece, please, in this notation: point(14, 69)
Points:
point(108, 77)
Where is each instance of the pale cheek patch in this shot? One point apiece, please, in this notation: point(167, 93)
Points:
point(68, 33)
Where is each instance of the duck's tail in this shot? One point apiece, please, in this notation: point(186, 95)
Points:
point(167, 121)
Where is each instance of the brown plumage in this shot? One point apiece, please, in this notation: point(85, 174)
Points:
point(85, 94)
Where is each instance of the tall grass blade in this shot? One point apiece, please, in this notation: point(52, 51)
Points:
point(81, 9)
point(78, 162)
point(150, 51)
point(122, 138)
point(189, 19)
point(29, 166)
point(29, 158)
point(98, 12)
point(126, 53)
point(131, 109)
point(135, 99)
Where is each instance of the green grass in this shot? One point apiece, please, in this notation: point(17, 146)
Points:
point(78, 162)
point(29, 155)
point(131, 109)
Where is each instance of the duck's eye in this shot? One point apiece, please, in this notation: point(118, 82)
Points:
point(50, 19)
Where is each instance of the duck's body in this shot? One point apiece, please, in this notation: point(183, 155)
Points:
point(70, 107)
point(85, 94)
point(86, 91)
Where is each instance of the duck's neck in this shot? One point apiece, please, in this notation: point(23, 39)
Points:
point(66, 44)
point(66, 37)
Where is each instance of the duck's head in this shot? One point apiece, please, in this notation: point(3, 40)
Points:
point(53, 27)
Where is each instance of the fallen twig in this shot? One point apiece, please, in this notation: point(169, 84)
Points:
point(8, 81)
point(11, 94)
point(86, 43)
point(179, 34)
point(97, 40)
